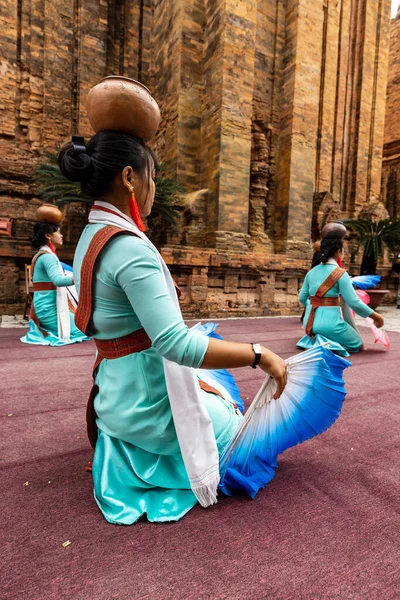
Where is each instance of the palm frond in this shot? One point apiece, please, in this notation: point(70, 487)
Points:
point(373, 236)
point(55, 188)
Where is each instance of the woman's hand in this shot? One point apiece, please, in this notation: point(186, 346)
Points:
point(275, 366)
point(379, 321)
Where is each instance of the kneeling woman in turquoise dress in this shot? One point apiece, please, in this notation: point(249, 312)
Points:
point(328, 295)
point(157, 423)
point(51, 320)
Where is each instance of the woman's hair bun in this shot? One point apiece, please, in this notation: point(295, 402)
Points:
point(39, 233)
point(74, 163)
point(329, 246)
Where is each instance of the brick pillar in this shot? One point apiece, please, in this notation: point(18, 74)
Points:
point(165, 85)
point(300, 100)
point(8, 73)
point(177, 84)
point(230, 29)
point(90, 56)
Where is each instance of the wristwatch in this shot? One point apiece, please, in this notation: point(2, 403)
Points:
point(258, 353)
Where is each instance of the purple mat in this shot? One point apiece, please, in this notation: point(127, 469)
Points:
point(326, 527)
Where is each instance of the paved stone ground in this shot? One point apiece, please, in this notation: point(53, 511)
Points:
point(326, 527)
point(390, 313)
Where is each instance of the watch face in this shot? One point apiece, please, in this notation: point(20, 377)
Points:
point(257, 348)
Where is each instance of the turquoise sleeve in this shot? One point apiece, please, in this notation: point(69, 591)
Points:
point(135, 267)
point(348, 294)
point(51, 266)
point(304, 292)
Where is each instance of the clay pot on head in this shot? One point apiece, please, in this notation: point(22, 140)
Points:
point(48, 213)
point(123, 104)
point(335, 229)
point(317, 246)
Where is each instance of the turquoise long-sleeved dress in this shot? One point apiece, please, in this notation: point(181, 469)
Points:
point(329, 327)
point(45, 304)
point(138, 467)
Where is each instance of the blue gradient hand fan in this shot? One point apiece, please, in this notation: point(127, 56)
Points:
point(310, 404)
point(365, 282)
point(66, 267)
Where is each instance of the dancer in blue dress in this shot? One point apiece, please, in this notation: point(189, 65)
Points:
point(158, 425)
point(51, 320)
point(323, 288)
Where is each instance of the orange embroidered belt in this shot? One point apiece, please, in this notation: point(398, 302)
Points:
point(122, 346)
point(43, 286)
point(315, 302)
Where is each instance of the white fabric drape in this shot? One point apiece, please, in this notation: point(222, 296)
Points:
point(192, 423)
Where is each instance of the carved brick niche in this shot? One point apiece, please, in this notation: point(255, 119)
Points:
point(325, 208)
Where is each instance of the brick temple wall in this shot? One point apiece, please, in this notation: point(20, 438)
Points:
point(391, 149)
point(272, 122)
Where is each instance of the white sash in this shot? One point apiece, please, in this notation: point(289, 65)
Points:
point(63, 322)
point(193, 425)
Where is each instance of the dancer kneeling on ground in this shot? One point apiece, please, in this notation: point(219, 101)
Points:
point(327, 294)
point(51, 320)
point(158, 427)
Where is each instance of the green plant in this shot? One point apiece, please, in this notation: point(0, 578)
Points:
point(57, 189)
point(53, 186)
point(373, 236)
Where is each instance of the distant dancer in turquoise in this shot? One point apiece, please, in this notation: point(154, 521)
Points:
point(159, 426)
point(328, 296)
point(51, 321)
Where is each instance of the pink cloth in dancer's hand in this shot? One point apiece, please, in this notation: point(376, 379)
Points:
point(364, 297)
point(380, 335)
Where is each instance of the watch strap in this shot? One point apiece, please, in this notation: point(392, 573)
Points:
point(258, 353)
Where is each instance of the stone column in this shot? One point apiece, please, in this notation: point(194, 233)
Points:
point(227, 111)
point(203, 76)
point(363, 124)
point(299, 123)
point(90, 56)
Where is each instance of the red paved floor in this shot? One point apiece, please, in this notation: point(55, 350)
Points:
point(326, 527)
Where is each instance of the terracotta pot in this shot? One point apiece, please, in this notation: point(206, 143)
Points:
point(123, 104)
point(376, 297)
point(48, 213)
point(317, 246)
point(335, 228)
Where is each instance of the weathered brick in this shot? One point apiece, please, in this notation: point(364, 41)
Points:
point(272, 123)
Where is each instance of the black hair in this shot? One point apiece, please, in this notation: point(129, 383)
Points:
point(39, 234)
point(329, 247)
point(106, 154)
point(316, 259)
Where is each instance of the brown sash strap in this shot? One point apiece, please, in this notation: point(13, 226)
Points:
point(318, 299)
point(33, 317)
point(43, 286)
point(71, 307)
point(83, 315)
point(34, 259)
point(100, 239)
point(206, 387)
